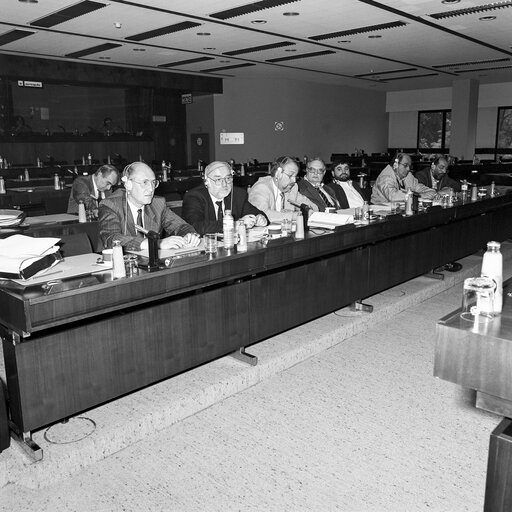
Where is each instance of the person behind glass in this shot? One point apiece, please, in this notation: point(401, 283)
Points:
point(277, 195)
point(204, 206)
point(396, 179)
point(348, 193)
point(92, 189)
point(313, 188)
point(109, 128)
point(136, 205)
point(19, 126)
point(436, 176)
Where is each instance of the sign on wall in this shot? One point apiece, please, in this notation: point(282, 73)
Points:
point(186, 99)
point(231, 138)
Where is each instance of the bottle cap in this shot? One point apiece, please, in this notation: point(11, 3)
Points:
point(493, 245)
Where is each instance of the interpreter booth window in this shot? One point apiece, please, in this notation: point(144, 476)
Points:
point(434, 129)
point(504, 130)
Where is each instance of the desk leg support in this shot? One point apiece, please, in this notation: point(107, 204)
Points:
point(31, 448)
point(243, 356)
point(435, 275)
point(361, 306)
point(498, 487)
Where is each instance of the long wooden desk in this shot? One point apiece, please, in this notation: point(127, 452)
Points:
point(479, 357)
point(91, 340)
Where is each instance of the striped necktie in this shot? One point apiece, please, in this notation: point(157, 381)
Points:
point(220, 213)
point(139, 218)
point(326, 199)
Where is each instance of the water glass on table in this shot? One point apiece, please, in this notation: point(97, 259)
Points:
point(210, 243)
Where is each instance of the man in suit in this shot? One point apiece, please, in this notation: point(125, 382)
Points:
point(313, 188)
point(277, 195)
point(348, 193)
point(136, 204)
point(204, 206)
point(436, 176)
point(396, 179)
point(92, 189)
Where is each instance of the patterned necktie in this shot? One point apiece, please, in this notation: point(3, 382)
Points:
point(325, 198)
point(282, 201)
point(99, 198)
point(220, 214)
point(139, 218)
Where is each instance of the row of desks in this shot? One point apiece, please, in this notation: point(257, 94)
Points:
point(88, 340)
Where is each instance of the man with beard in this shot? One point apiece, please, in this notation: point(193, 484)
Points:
point(277, 195)
point(204, 206)
point(436, 176)
point(348, 194)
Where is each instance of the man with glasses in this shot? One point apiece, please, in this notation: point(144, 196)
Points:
point(204, 206)
point(136, 205)
point(92, 189)
point(277, 195)
point(436, 176)
point(396, 179)
point(348, 194)
point(313, 188)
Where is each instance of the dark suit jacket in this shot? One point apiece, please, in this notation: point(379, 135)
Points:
point(200, 212)
point(116, 221)
point(308, 190)
point(82, 190)
point(338, 192)
point(425, 178)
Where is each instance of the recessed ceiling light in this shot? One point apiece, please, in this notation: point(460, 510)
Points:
point(105, 58)
point(344, 41)
point(259, 22)
point(290, 50)
point(224, 61)
point(139, 49)
point(374, 37)
point(450, 1)
point(290, 13)
point(29, 1)
point(209, 48)
point(117, 24)
point(204, 34)
point(487, 18)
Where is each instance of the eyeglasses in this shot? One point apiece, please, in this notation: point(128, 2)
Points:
point(291, 176)
point(312, 170)
point(224, 181)
point(147, 183)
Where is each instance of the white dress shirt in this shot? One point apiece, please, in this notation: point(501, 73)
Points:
point(353, 196)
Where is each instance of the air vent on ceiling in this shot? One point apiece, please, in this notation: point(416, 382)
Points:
point(376, 73)
point(67, 14)
point(407, 77)
point(471, 63)
point(471, 10)
point(302, 56)
point(94, 49)
point(178, 27)
point(14, 35)
point(211, 70)
point(250, 8)
point(485, 69)
point(360, 30)
point(260, 48)
point(185, 62)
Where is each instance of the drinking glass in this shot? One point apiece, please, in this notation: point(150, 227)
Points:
point(478, 299)
point(210, 243)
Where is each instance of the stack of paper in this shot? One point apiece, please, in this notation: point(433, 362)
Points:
point(329, 220)
point(23, 256)
point(9, 218)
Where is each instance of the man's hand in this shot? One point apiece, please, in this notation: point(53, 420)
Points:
point(261, 220)
point(192, 239)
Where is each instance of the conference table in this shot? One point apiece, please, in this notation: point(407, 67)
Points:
point(86, 340)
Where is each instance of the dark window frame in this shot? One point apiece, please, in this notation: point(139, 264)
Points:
point(498, 128)
point(443, 147)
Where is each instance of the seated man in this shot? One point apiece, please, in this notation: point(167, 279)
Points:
point(136, 204)
point(277, 195)
point(204, 206)
point(435, 176)
point(92, 189)
point(313, 188)
point(396, 179)
point(348, 193)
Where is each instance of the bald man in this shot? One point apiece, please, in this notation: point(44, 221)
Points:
point(137, 204)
